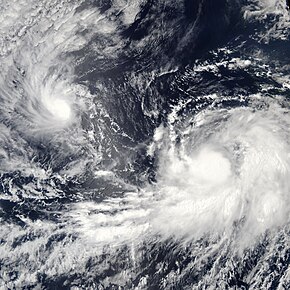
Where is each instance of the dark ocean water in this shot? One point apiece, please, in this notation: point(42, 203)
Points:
point(144, 144)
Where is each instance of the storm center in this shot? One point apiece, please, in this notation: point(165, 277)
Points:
point(212, 166)
point(59, 108)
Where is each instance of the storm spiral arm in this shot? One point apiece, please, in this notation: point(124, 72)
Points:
point(144, 144)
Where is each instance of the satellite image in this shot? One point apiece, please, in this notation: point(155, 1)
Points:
point(145, 144)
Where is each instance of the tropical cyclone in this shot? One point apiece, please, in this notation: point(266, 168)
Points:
point(144, 144)
point(228, 166)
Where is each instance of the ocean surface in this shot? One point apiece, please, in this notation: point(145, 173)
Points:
point(144, 144)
